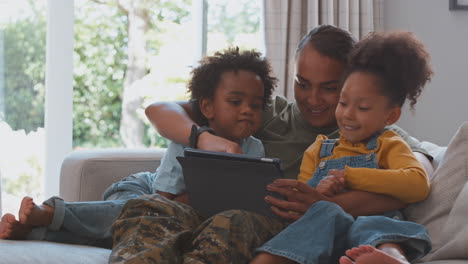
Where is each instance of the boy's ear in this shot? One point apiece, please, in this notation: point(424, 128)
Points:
point(206, 108)
point(394, 115)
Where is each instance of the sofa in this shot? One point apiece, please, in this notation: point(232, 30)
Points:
point(85, 174)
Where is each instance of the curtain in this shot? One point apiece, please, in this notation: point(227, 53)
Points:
point(286, 21)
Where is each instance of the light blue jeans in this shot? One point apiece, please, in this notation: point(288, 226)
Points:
point(89, 223)
point(325, 231)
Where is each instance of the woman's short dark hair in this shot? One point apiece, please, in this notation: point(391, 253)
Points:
point(398, 59)
point(329, 41)
point(206, 76)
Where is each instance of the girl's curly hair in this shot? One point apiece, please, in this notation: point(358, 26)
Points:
point(399, 60)
point(206, 76)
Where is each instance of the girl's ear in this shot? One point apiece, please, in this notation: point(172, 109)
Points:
point(394, 115)
point(206, 108)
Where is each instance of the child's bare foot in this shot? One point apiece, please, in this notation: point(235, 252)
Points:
point(270, 259)
point(33, 214)
point(10, 228)
point(369, 255)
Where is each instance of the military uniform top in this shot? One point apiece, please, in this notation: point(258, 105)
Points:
point(286, 135)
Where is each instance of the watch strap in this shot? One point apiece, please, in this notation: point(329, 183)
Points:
point(196, 132)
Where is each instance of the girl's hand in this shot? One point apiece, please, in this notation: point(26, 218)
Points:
point(332, 184)
point(300, 197)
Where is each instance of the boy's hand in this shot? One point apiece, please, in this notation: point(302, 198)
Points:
point(207, 141)
point(332, 184)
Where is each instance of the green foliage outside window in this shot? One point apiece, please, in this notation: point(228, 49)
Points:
point(24, 59)
point(99, 69)
point(100, 59)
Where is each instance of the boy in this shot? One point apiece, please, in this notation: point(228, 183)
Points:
point(228, 92)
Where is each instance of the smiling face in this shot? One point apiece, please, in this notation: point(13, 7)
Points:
point(235, 111)
point(317, 86)
point(362, 110)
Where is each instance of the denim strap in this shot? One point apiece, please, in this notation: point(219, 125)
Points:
point(372, 144)
point(327, 147)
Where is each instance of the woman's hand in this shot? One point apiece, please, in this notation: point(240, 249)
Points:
point(182, 198)
point(299, 195)
point(332, 184)
point(208, 141)
point(166, 194)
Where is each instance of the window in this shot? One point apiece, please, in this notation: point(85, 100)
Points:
point(22, 88)
point(234, 23)
point(120, 69)
point(117, 71)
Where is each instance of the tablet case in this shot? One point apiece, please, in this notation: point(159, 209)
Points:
point(218, 181)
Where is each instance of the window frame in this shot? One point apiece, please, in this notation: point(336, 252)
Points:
point(58, 120)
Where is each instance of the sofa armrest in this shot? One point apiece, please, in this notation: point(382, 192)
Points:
point(85, 174)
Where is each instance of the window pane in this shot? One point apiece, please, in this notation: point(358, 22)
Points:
point(119, 69)
point(234, 23)
point(22, 67)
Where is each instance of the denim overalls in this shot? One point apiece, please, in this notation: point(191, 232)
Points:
point(325, 231)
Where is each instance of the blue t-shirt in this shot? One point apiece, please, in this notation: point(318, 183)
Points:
point(169, 177)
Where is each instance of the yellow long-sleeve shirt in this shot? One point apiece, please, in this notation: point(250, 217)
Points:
point(400, 174)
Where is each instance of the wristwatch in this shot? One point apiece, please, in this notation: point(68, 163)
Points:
point(195, 133)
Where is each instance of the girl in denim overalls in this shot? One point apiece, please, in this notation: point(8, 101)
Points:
point(384, 71)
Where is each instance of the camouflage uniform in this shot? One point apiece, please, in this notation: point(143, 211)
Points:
point(154, 229)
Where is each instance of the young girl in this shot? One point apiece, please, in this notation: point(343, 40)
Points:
point(384, 71)
point(229, 91)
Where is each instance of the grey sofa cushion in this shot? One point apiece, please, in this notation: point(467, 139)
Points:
point(436, 212)
point(86, 174)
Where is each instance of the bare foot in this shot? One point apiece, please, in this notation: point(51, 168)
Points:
point(10, 228)
point(270, 259)
point(33, 214)
point(370, 255)
point(346, 260)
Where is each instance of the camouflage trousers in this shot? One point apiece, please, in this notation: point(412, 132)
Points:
point(153, 229)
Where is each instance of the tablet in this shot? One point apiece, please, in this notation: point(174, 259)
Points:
point(218, 181)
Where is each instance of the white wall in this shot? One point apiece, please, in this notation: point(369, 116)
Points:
point(443, 105)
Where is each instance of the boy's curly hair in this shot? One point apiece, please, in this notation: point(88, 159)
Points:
point(398, 59)
point(206, 76)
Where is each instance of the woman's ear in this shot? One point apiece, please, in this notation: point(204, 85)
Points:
point(394, 115)
point(206, 108)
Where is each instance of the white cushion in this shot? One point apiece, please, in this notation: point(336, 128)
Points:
point(434, 212)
